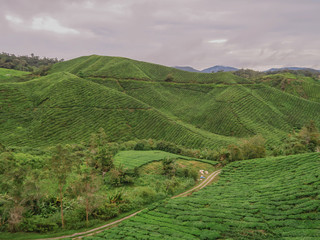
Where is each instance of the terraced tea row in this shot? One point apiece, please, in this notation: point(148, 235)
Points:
point(273, 198)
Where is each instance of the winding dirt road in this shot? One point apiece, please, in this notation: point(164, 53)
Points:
point(80, 235)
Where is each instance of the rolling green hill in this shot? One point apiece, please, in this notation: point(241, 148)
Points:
point(124, 68)
point(272, 198)
point(62, 107)
point(239, 110)
point(132, 100)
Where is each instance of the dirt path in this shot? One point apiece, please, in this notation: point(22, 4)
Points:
point(80, 235)
point(203, 184)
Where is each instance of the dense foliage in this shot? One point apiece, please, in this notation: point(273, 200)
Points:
point(74, 186)
point(30, 63)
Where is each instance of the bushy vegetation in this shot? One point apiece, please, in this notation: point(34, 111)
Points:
point(76, 186)
point(271, 198)
point(307, 139)
point(30, 63)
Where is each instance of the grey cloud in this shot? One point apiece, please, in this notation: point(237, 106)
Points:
point(260, 34)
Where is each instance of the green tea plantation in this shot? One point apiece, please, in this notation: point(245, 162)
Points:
point(272, 198)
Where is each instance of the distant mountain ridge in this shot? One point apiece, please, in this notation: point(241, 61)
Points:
point(214, 69)
point(187, 68)
point(218, 68)
point(292, 68)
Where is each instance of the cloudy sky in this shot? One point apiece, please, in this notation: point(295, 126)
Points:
point(199, 33)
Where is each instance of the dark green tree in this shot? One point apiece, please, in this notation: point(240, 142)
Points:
point(169, 78)
point(169, 167)
point(12, 180)
point(101, 152)
point(61, 165)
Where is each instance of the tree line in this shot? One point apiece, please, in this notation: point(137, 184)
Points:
point(32, 63)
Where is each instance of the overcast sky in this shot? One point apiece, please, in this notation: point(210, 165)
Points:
point(198, 33)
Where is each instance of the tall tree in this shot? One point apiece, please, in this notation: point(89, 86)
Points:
point(86, 186)
point(61, 166)
point(102, 152)
point(12, 178)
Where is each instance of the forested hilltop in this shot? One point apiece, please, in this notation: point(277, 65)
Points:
point(96, 137)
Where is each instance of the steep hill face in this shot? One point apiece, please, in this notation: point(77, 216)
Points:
point(132, 99)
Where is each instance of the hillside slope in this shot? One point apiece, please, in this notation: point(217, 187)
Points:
point(273, 198)
point(240, 110)
point(133, 100)
point(300, 86)
point(10, 75)
point(62, 107)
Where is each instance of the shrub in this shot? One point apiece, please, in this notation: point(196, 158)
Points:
point(119, 176)
point(107, 211)
point(253, 147)
point(169, 78)
point(139, 146)
point(187, 173)
point(37, 224)
point(169, 167)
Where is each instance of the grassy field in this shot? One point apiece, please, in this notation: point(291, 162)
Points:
point(8, 75)
point(132, 159)
point(272, 198)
